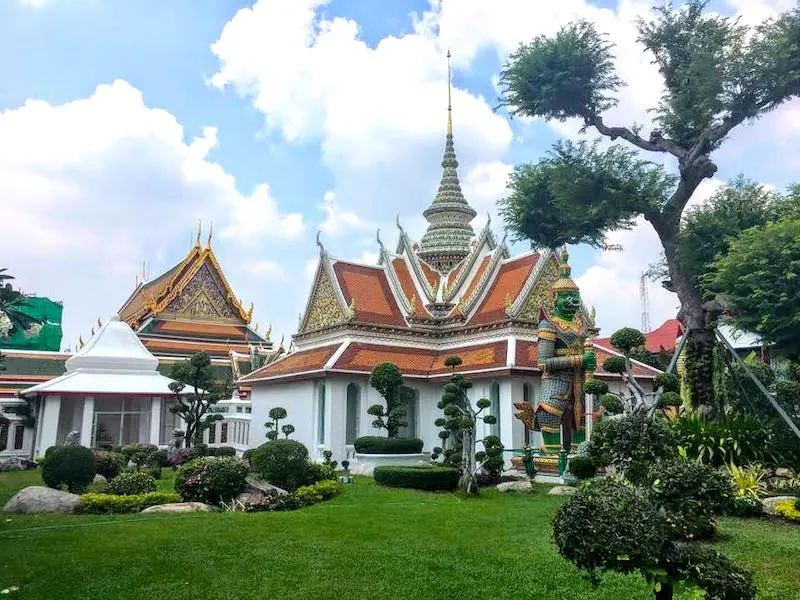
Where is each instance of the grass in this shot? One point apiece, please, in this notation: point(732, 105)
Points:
point(370, 542)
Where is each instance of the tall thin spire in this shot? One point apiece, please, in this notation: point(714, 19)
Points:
point(446, 241)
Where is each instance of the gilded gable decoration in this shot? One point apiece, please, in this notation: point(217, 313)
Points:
point(324, 307)
point(540, 297)
point(201, 299)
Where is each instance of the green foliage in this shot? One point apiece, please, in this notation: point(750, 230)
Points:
point(615, 364)
point(160, 458)
point(582, 467)
point(578, 193)
point(690, 495)
point(491, 456)
point(419, 478)
point(669, 399)
point(12, 305)
point(758, 280)
point(746, 506)
point(668, 381)
point(609, 525)
point(626, 339)
point(387, 379)
point(70, 466)
point(132, 483)
point(199, 450)
point(710, 570)
point(568, 75)
point(281, 462)
point(220, 451)
point(788, 510)
point(276, 415)
point(195, 406)
point(108, 464)
point(139, 454)
point(748, 481)
point(211, 479)
point(595, 387)
point(316, 472)
point(612, 403)
point(736, 438)
point(311, 494)
point(370, 444)
point(631, 444)
point(100, 504)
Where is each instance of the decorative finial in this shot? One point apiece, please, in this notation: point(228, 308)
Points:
point(210, 234)
point(199, 233)
point(351, 310)
point(269, 333)
point(322, 250)
point(397, 221)
point(256, 328)
point(80, 342)
point(92, 332)
point(99, 324)
point(378, 237)
point(280, 345)
point(449, 102)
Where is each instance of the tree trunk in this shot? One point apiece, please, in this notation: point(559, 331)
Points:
point(695, 317)
point(467, 483)
point(665, 593)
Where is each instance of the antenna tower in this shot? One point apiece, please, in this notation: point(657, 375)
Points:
point(643, 295)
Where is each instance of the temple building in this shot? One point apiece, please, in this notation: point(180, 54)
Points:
point(189, 308)
point(453, 293)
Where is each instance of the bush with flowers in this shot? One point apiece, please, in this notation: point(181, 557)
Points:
point(211, 479)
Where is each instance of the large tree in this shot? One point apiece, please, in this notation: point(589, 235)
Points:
point(12, 317)
point(717, 75)
point(195, 407)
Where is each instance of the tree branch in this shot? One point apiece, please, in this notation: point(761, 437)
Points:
point(656, 143)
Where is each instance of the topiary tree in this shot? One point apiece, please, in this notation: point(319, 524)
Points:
point(276, 415)
point(458, 432)
point(612, 525)
point(387, 379)
point(282, 463)
point(580, 192)
point(669, 400)
point(595, 387)
point(631, 444)
point(195, 407)
point(612, 403)
point(70, 466)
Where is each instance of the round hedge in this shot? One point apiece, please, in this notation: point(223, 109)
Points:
point(669, 381)
point(669, 399)
point(281, 462)
point(612, 403)
point(430, 479)
point(211, 479)
point(582, 467)
point(72, 466)
point(372, 444)
point(109, 464)
point(132, 483)
point(627, 338)
point(614, 364)
point(595, 387)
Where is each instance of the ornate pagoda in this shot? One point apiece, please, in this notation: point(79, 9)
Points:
point(454, 293)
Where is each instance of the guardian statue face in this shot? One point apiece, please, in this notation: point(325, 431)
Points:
point(568, 303)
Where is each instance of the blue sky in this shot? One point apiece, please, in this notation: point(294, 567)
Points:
point(122, 123)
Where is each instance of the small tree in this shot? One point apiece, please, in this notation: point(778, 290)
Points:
point(195, 407)
point(627, 340)
point(277, 414)
point(458, 432)
point(12, 302)
point(387, 379)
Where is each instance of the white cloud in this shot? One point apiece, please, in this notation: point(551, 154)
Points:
point(93, 186)
point(264, 269)
point(339, 221)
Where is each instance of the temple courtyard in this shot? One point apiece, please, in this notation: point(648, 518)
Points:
point(369, 542)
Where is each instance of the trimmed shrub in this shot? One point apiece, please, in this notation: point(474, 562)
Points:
point(221, 451)
point(132, 483)
point(138, 453)
point(211, 479)
point(108, 464)
point(595, 387)
point(788, 510)
point(178, 457)
point(419, 478)
point(315, 472)
point(612, 403)
point(746, 506)
point(582, 467)
point(72, 466)
point(159, 459)
point(327, 488)
point(372, 444)
point(198, 451)
point(307, 495)
point(248, 453)
point(100, 504)
point(669, 381)
point(627, 338)
point(690, 494)
point(283, 463)
point(614, 364)
point(669, 399)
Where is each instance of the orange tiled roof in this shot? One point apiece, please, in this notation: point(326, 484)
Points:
point(453, 276)
point(155, 345)
point(476, 279)
point(419, 361)
point(407, 282)
point(154, 288)
point(506, 285)
point(639, 370)
point(213, 329)
point(527, 354)
point(368, 290)
point(297, 362)
point(430, 274)
point(664, 337)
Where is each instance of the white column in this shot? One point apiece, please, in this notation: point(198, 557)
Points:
point(87, 421)
point(506, 418)
point(51, 406)
point(336, 417)
point(589, 406)
point(155, 421)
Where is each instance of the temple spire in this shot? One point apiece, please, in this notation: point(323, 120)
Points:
point(446, 241)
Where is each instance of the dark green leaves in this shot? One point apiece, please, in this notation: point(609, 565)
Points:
point(578, 193)
point(626, 339)
point(568, 75)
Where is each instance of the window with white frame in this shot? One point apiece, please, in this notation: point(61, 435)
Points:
point(412, 409)
point(353, 413)
point(321, 414)
point(120, 421)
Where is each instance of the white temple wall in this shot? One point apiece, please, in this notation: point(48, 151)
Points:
point(297, 397)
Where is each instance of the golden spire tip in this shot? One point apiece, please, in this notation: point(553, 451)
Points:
point(449, 98)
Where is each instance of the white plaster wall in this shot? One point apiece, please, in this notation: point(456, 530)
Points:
point(296, 397)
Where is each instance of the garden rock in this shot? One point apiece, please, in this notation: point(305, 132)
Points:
point(515, 486)
point(39, 499)
point(367, 469)
point(16, 463)
point(769, 503)
point(179, 507)
point(562, 490)
point(783, 473)
point(514, 474)
point(99, 479)
point(257, 487)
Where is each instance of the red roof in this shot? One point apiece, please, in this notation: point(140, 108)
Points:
point(506, 286)
point(367, 289)
point(663, 338)
point(297, 362)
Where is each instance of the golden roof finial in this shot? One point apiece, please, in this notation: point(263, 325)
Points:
point(269, 333)
point(256, 328)
point(99, 324)
point(210, 233)
point(80, 342)
point(449, 100)
point(199, 233)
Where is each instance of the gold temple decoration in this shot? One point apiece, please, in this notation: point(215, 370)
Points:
point(324, 309)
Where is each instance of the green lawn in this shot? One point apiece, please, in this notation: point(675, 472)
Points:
point(370, 542)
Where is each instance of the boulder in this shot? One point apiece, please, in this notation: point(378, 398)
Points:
point(99, 479)
point(16, 463)
point(39, 499)
point(769, 503)
point(783, 473)
point(562, 490)
point(359, 468)
point(258, 487)
point(514, 474)
point(179, 507)
point(515, 486)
